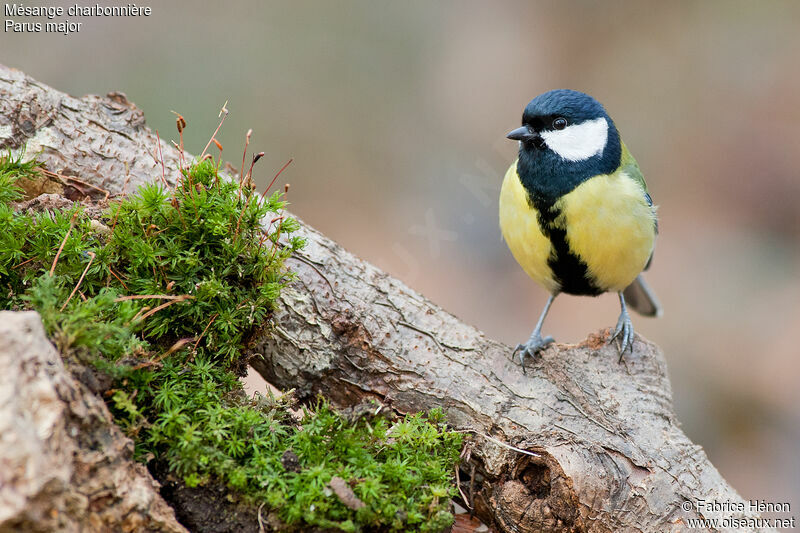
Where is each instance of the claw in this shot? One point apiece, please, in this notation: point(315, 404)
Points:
point(535, 343)
point(624, 329)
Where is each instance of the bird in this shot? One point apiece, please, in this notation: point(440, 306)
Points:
point(575, 211)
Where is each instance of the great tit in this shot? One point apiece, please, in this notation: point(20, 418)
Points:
point(575, 211)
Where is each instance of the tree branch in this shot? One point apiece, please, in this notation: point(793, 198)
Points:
point(579, 443)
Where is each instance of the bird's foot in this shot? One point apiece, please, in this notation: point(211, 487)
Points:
point(623, 331)
point(534, 345)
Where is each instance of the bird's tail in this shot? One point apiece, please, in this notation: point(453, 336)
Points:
point(641, 298)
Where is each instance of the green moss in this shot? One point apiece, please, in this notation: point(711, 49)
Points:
point(162, 296)
point(11, 170)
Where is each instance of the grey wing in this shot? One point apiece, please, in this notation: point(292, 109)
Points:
point(638, 295)
point(655, 221)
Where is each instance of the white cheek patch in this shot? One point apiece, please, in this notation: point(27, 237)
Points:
point(578, 141)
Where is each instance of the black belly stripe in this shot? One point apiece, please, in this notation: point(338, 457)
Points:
point(568, 269)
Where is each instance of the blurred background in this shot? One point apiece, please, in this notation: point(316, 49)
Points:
point(396, 113)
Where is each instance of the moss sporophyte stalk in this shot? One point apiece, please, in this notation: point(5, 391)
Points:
point(159, 292)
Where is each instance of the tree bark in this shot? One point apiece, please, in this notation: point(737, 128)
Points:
point(579, 443)
point(64, 465)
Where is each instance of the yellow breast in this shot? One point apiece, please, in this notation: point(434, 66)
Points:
point(520, 228)
point(609, 226)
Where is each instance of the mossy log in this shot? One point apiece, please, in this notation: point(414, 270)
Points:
point(578, 443)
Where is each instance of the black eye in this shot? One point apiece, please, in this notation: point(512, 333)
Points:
point(559, 123)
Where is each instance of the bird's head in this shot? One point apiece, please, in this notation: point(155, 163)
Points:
point(567, 134)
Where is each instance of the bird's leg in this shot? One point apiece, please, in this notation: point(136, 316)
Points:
point(624, 329)
point(536, 342)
